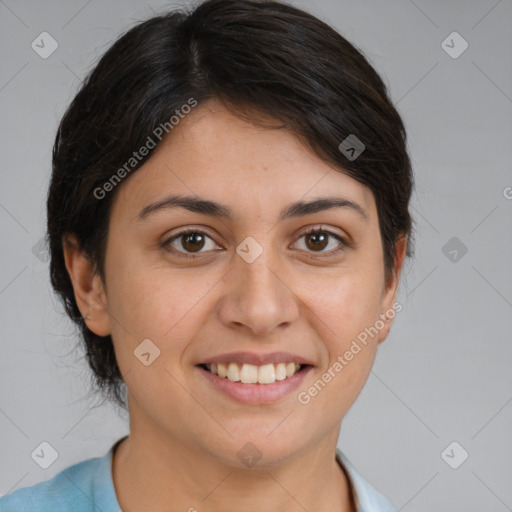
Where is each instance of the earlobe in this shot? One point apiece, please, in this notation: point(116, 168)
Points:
point(88, 287)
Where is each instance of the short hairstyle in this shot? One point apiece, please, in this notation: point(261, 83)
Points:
point(256, 56)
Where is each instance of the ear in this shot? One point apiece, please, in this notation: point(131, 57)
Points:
point(389, 308)
point(89, 290)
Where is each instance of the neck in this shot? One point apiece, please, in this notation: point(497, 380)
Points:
point(158, 476)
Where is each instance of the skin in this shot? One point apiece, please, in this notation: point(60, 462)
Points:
point(184, 434)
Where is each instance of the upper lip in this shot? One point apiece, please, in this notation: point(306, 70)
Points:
point(257, 359)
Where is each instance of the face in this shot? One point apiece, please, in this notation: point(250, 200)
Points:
point(253, 281)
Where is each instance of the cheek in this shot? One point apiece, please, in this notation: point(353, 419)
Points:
point(345, 310)
point(346, 304)
point(155, 302)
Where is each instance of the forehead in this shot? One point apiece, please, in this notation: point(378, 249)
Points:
point(212, 153)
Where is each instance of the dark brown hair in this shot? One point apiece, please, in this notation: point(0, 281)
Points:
point(255, 56)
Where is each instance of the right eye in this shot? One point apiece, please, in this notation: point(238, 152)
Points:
point(192, 240)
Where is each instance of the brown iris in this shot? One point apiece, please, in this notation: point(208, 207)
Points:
point(318, 238)
point(191, 241)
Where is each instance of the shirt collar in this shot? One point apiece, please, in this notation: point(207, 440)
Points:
point(366, 497)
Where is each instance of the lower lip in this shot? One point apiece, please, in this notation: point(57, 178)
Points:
point(256, 394)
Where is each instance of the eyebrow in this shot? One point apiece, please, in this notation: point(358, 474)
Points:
point(214, 209)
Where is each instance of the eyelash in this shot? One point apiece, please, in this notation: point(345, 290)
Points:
point(316, 230)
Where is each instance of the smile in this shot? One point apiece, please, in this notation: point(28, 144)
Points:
point(255, 385)
point(252, 374)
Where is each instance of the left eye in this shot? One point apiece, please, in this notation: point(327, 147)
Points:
point(318, 239)
point(193, 241)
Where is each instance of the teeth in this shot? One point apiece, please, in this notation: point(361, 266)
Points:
point(266, 374)
point(233, 372)
point(280, 371)
point(248, 374)
point(222, 370)
point(290, 369)
point(251, 374)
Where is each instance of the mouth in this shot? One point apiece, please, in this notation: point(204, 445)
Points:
point(252, 384)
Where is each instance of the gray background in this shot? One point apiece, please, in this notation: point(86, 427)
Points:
point(443, 375)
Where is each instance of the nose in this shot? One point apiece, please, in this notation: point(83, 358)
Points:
point(257, 298)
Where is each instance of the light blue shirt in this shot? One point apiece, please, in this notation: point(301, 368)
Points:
point(88, 487)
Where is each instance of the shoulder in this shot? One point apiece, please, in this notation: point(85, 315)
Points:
point(73, 488)
point(368, 499)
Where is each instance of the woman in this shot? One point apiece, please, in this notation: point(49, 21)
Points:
point(228, 219)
